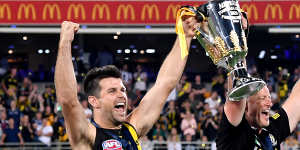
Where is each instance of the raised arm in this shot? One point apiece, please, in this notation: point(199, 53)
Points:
point(66, 86)
point(292, 106)
point(234, 110)
point(148, 111)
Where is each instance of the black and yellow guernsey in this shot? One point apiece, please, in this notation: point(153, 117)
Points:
point(116, 139)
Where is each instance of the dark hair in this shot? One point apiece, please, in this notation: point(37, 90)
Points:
point(91, 81)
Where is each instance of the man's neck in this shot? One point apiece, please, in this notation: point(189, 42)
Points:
point(103, 122)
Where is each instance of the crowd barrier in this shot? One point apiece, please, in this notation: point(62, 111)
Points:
point(149, 145)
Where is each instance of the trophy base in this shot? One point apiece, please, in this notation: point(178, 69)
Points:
point(245, 87)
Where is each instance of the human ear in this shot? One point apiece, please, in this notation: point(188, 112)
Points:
point(94, 102)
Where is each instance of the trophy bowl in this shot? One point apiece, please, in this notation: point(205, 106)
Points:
point(225, 42)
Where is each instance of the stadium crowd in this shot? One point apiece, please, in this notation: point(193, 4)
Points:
point(29, 111)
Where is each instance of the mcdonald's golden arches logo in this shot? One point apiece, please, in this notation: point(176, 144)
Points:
point(150, 9)
point(100, 9)
point(251, 11)
point(125, 9)
point(294, 8)
point(172, 9)
point(26, 8)
point(50, 8)
point(5, 8)
point(76, 8)
point(273, 9)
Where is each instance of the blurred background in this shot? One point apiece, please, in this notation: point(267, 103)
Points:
point(135, 36)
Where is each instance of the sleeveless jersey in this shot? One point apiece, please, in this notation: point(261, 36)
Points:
point(116, 139)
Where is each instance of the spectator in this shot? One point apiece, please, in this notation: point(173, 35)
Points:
point(26, 129)
point(126, 76)
point(140, 79)
point(184, 88)
point(219, 87)
point(49, 114)
point(23, 104)
point(283, 78)
point(173, 116)
point(49, 97)
point(37, 123)
point(26, 87)
point(275, 99)
point(3, 120)
point(292, 143)
point(10, 96)
point(188, 124)
point(174, 143)
point(14, 113)
point(161, 145)
point(36, 101)
point(146, 144)
point(12, 133)
point(185, 106)
point(203, 146)
point(88, 112)
point(210, 128)
point(174, 140)
point(294, 78)
point(158, 131)
point(45, 132)
point(198, 89)
point(213, 102)
point(189, 145)
point(10, 81)
point(269, 78)
point(59, 127)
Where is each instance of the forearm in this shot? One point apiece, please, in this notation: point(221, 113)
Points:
point(3, 137)
point(173, 65)
point(20, 137)
point(65, 81)
point(292, 105)
point(49, 134)
point(234, 110)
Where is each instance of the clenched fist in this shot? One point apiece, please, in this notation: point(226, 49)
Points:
point(189, 25)
point(68, 29)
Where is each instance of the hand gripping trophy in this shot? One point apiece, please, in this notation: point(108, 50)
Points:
point(224, 40)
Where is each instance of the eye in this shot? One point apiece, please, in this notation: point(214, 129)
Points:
point(123, 89)
point(111, 90)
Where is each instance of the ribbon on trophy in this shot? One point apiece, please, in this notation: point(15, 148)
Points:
point(184, 11)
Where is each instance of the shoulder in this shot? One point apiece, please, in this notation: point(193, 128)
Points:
point(280, 117)
point(130, 127)
point(279, 125)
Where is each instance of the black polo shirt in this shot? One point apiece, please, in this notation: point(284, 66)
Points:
point(245, 137)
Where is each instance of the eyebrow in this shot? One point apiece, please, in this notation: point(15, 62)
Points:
point(114, 88)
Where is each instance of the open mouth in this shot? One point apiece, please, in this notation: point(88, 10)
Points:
point(266, 112)
point(120, 106)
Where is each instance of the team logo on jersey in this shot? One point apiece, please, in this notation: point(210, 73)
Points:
point(112, 144)
point(275, 116)
point(273, 140)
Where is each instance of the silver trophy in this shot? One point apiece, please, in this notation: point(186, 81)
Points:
point(224, 40)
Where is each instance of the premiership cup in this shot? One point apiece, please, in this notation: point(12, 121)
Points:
point(224, 40)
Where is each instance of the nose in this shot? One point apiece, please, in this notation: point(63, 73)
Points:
point(268, 102)
point(121, 94)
